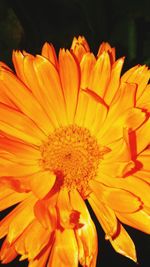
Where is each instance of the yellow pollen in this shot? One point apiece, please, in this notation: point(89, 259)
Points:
point(73, 155)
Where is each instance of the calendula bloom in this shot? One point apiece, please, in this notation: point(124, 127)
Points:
point(72, 129)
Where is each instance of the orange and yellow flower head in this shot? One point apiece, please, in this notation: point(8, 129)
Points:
point(72, 129)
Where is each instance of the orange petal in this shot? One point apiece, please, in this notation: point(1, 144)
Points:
point(18, 60)
point(119, 151)
point(96, 112)
point(65, 242)
point(86, 235)
point(45, 214)
point(100, 75)
point(117, 169)
point(129, 73)
point(17, 184)
point(119, 111)
point(70, 79)
point(41, 183)
point(139, 220)
point(21, 150)
point(144, 158)
point(11, 199)
point(69, 218)
point(107, 48)
point(114, 80)
point(33, 81)
point(4, 66)
point(49, 90)
point(48, 51)
point(86, 66)
point(22, 98)
point(7, 253)
point(139, 75)
point(79, 47)
point(42, 258)
point(18, 125)
point(17, 212)
point(87, 244)
point(8, 168)
point(144, 175)
point(13, 158)
point(117, 199)
point(124, 245)
point(144, 101)
point(105, 215)
point(130, 119)
point(144, 130)
point(78, 204)
point(131, 184)
point(22, 219)
point(5, 99)
point(36, 239)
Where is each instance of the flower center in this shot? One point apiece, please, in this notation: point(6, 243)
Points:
point(72, 154)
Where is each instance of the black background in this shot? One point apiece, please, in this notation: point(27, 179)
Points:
point(125, 24)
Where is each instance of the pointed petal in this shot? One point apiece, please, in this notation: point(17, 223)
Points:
point(139, 75)
point(114, 82)
point(18, 58)
point(7, 253)
point(100, 75)
point(107, 48)
point(124, 245)
point(48, 51)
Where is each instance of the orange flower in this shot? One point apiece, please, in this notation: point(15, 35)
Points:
point(72, 130)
